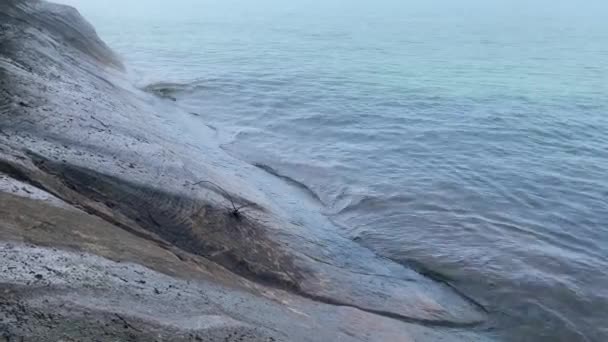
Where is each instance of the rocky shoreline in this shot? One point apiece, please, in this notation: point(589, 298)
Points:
point(118, 222)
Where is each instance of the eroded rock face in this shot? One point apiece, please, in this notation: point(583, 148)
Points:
point(74, 131)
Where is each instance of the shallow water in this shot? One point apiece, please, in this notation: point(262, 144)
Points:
point(465, 138)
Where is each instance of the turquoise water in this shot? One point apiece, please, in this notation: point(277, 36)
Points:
point(465, 137)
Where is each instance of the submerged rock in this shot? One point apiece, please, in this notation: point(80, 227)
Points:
point(101, 195)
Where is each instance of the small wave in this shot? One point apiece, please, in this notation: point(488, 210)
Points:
point(172, 89)
point(371, 203)
point(164, 89)
point(290, 180)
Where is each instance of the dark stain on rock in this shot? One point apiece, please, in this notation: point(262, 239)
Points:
point(204, 229)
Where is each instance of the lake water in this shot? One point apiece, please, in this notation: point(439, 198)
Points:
point(469, 138)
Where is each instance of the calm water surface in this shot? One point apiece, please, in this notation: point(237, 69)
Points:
point(465, 137)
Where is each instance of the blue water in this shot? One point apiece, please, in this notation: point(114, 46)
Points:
point(466, 137)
